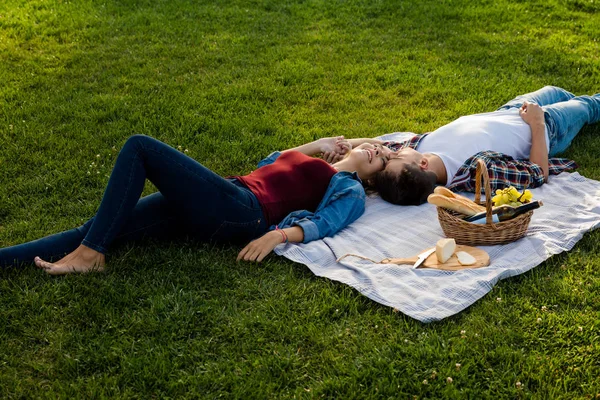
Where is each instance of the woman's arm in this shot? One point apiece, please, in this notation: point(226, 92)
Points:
point(259, 248)
point(304, 226)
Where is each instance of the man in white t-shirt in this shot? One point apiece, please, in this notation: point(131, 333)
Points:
point(515, 143)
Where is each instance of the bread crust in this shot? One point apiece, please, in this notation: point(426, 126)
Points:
point(444, 191)
point(459, 204)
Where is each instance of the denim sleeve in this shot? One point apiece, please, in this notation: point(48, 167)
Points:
point(328, 221)
point(341, 209)
point(270, 159)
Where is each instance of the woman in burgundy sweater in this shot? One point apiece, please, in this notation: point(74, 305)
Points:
point(292, 196)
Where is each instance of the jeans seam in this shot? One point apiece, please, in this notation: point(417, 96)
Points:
point(203, 179)
point(109, 230)
point(94, 246)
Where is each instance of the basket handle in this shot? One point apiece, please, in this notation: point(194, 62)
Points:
point(483, 172)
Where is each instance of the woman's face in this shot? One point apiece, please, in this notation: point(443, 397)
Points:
point(368, 159)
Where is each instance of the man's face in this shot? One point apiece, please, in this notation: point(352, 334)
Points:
point(402, 158)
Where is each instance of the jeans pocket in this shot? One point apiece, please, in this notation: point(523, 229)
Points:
point(237, 232)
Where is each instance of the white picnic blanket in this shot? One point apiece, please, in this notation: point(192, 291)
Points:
point(571, 207)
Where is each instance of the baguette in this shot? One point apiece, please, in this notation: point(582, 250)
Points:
point(449, 193)
point(444, 191)
point(461, 205)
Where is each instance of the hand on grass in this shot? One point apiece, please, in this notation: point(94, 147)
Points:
point(531, 113)
point(259, 248)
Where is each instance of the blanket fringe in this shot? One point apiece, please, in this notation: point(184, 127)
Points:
point(357, 256)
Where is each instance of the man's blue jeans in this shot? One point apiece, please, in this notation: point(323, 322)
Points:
point(565, 113)
point(192, 201)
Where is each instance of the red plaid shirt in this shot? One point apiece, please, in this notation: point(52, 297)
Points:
point(504, 171)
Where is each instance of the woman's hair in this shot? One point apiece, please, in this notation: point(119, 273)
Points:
point(409, 187)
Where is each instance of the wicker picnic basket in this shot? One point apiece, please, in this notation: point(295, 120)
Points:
point(486, 234)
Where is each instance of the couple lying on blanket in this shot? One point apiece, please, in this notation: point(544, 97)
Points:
point(295, 197)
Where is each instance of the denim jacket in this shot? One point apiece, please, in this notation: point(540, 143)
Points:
point(343, 203)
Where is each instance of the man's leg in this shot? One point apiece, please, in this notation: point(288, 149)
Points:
point(544, 96)
point(565, 119)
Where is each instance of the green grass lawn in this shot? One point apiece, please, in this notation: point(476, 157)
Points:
point(231, 81)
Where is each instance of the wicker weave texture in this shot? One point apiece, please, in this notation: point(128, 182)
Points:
point(486, 234)
point(483, 234)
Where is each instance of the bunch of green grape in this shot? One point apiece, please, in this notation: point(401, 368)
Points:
point(511, 196)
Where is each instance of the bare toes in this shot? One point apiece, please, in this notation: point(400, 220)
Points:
point(62, 268)
point(42, 264)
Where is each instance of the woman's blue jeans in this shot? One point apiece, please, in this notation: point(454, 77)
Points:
point(192, 201)
point(565, 113)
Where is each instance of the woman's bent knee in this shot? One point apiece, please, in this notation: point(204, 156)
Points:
point(137, 140)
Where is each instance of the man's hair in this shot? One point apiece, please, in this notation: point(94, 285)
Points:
point(409, 187)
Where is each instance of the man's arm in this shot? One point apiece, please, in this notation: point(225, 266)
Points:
point(358, 142)
point(324, 145)
point(533, 115)
point(336, 155)
point(333, 148)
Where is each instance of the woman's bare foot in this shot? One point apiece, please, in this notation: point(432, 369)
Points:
point(83, 259)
